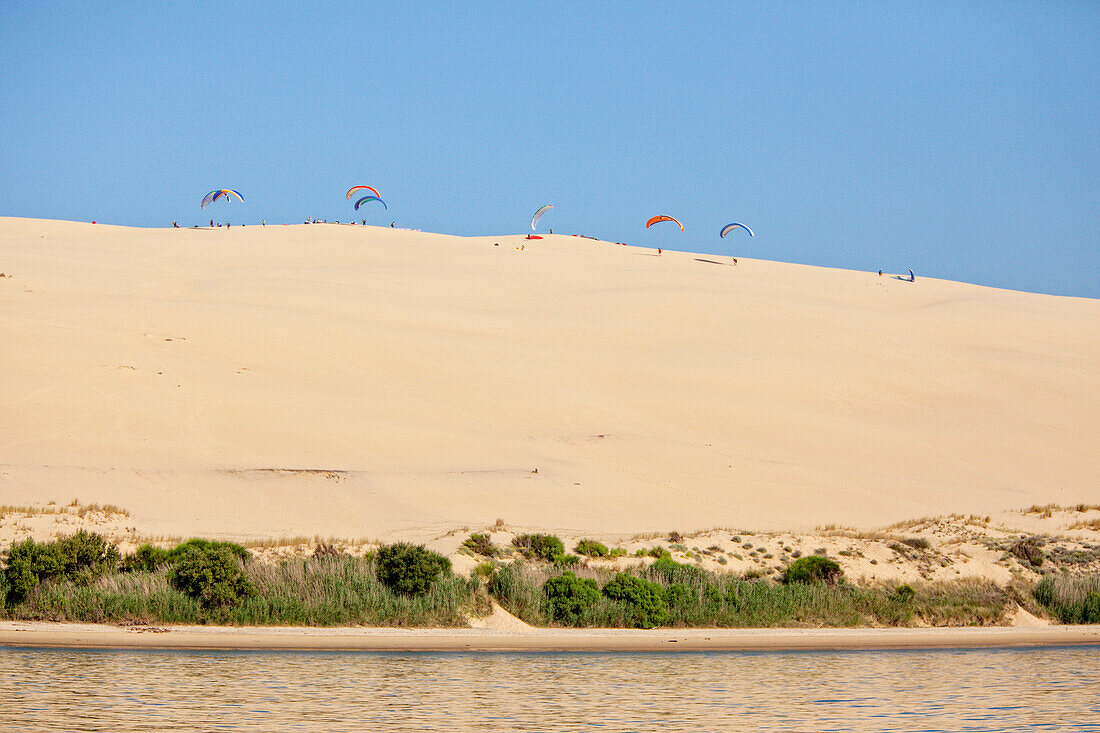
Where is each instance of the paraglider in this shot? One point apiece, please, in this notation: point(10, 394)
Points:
point(538, 215)
point(355, 189)
point(912, 277)
point(217, 193)
point(365, 199)
point(663, 217)
point(730, 227)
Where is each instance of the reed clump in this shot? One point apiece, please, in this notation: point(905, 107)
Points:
point(1073, 599)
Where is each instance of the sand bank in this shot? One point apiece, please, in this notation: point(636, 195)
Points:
point(90, 636)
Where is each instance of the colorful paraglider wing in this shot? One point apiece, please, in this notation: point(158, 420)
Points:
point(730, 227)
point(356, 189)
point(662, 217)
point(217, 193)
point(538, 215)
point(365, 199)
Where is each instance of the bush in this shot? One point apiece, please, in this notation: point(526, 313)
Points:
point(79, 557)
point(28, 563)
point(410, 569)
point(569, 597)
point(566, 561)
point(480, 544)
point(540, 546)
point(813, 569)
point(180, 550)
point(146, 559)
point(1029, 551)
point(591, 548)
point(211, 574)
point(86, 555)
point(647, 606)
point(904, 593)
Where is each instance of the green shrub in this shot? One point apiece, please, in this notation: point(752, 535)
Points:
point(539, 546)
point(29, 562)
point(566, 561)
point(181, 549)
point(617, 552)
point(146, 559)
point(80, 557)
point(677, 595)
point(410, 569)
point(86, 555)
point(480, 544)
point(813, 569)
point(904, 593)
point(646, 604)
point(569, 597)
point(591, 548)
point(211, 574)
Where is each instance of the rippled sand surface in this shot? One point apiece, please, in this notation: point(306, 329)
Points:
point(987, 690)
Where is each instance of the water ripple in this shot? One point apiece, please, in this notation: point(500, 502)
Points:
point(977, 690)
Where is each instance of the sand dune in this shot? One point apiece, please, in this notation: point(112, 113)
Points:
point(360, 381)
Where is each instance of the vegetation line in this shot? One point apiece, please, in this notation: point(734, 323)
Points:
point(83, 578)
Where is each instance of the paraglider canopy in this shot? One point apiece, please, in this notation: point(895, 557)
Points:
point(218, 193)
point(730, 227)
point(663, 217)
point(357, 189)
point(365, 199)
point(538, 215)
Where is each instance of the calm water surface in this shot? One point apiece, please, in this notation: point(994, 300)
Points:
point(969, 690)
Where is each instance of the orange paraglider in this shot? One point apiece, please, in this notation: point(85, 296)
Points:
point(663, 217)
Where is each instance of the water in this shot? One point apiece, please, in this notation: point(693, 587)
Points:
point(968, 690)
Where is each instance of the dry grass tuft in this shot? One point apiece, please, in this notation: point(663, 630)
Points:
point(73, 508)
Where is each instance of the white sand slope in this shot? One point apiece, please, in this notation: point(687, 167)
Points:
point(360, 381)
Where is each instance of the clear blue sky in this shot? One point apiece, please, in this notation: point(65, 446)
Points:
point(959, 139)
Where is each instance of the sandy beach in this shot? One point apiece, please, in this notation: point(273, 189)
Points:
point(91, 636)
point(363, 382)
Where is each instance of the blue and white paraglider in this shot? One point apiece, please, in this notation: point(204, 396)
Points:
point(730, 227)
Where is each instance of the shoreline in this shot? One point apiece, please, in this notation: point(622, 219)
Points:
point(42, 634)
